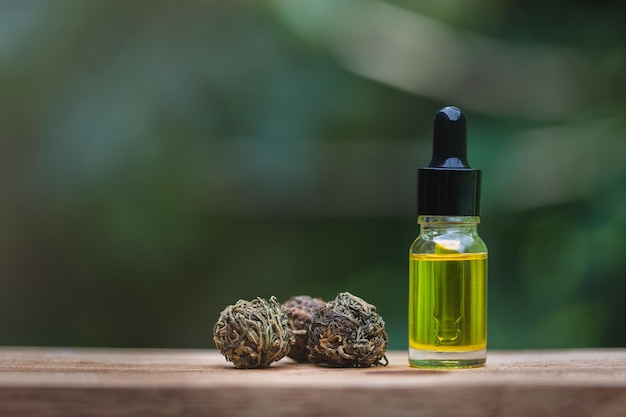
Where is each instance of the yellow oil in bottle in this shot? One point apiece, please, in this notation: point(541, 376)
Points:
point(447, 309)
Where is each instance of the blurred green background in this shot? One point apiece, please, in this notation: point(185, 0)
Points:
point(160, 160)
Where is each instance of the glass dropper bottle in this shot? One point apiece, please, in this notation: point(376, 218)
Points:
point(448, 260)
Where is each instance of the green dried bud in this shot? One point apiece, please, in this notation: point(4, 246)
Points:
point(348, 332)
point(302, 308)
point(253, 334)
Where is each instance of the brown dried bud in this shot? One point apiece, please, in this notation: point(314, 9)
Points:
point(348, 332)
point(253, 334)
point(302, 308)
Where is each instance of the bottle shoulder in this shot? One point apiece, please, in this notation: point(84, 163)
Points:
point(451, 242)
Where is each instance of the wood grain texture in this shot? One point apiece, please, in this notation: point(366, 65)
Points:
point(96, 382)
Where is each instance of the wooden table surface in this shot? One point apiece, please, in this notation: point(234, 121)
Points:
point(113, 382)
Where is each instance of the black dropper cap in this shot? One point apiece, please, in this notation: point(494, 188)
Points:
point(449, 186)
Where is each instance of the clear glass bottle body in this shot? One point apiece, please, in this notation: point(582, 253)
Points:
point(448, 294)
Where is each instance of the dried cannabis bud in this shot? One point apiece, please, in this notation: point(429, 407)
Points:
point(348, 332)
point(253, 334)
point(303, 308)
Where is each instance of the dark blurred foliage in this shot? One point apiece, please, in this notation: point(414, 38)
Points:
point(160, 160)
